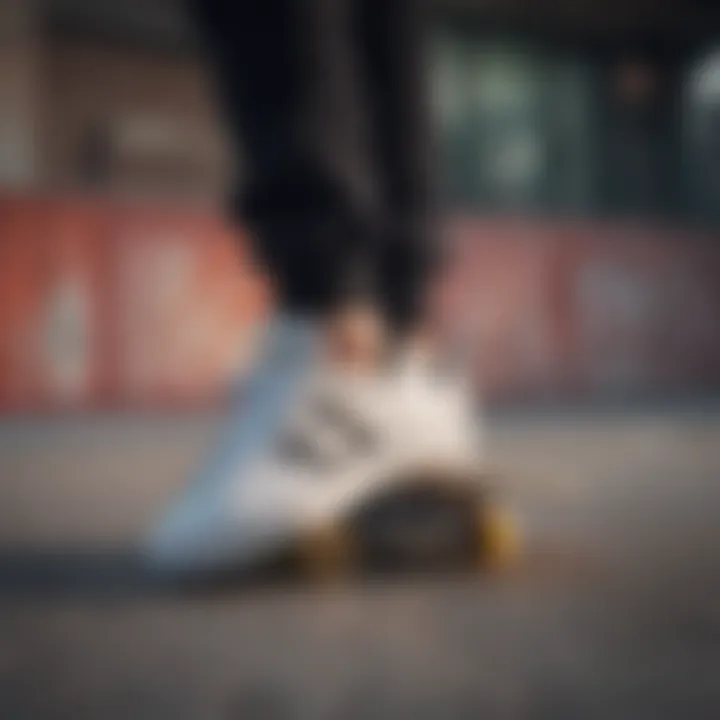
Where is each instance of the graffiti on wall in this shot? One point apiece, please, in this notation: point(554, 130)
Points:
point(65, 329)
point(130, 307)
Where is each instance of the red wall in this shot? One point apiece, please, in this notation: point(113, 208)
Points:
point(106, 305)
point(590, 309)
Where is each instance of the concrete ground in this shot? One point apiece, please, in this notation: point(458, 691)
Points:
point(613, 613)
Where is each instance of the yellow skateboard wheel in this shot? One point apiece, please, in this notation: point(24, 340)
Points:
point(498, 537)
point(327, 554)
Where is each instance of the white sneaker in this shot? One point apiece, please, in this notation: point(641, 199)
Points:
point(311, 443)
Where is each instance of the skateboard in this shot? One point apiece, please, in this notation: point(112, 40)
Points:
point(423, 522)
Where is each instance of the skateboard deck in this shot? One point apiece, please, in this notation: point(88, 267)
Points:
point(426, 521)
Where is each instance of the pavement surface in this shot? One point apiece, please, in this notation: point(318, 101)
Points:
point(614, 611)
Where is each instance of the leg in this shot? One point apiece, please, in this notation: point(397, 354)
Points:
point(392, 36)
point(293, 93)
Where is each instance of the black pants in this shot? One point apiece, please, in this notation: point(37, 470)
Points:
point(327, 104)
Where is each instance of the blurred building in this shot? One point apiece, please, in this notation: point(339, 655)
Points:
point(546, 107)
point(579, 149)
point(114, 100)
